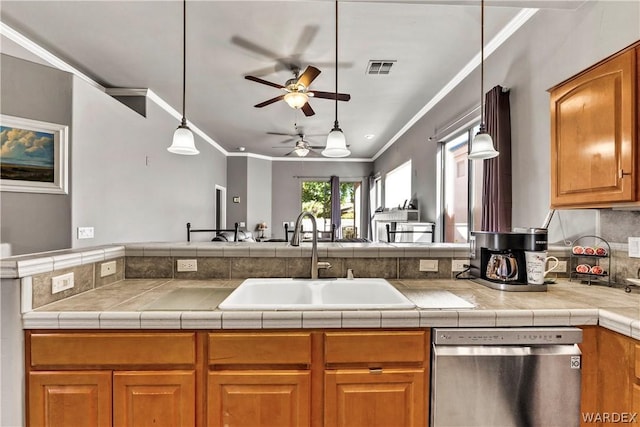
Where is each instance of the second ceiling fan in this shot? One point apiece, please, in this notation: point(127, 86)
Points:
point(297, 92)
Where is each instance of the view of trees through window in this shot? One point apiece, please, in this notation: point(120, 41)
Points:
point(316, 198)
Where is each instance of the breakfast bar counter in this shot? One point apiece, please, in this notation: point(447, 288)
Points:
point(192, 304)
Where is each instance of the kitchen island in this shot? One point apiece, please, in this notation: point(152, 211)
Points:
point(169, 328)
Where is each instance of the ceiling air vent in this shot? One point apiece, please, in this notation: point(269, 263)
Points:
point(377, 66)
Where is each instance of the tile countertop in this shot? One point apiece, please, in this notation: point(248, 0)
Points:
point(148, 304)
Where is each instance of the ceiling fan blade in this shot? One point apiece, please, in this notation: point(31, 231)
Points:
point(306, 37)
point(308, 76)
point(264, 82)
point(269, 101)
point(306, 109)
point(281, 134)
point(331, 95)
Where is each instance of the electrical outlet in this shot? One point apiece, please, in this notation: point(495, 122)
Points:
point(61, 283)
point(560, 268)
point(459, 265)
point(187, 265)
point(242, 224)
point(107, 268)
point(428, 265)
point(85, 232)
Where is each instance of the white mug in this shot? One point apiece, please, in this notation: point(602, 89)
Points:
point(535, 264)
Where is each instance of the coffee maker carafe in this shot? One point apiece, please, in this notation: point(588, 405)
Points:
point(497, 259)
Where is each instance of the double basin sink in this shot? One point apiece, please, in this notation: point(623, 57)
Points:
point(315, 294)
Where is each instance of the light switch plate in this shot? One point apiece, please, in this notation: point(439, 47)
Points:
point(634, 247)
point(85, 232)
point(428, 265)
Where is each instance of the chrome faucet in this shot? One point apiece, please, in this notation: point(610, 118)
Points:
point(295, 241)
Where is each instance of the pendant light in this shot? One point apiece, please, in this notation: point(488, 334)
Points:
point(482, 144)
point(336, 142)
point(183, 142)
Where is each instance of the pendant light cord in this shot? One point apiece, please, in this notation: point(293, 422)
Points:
point(482, 124)
point(335, 125)
point(184, 60)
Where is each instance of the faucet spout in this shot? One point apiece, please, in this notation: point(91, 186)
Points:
point(295, 241)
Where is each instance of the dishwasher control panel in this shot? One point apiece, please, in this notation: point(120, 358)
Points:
point(507, 336)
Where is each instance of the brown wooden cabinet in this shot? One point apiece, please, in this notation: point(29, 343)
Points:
point(107, 378)
point(259, 379)
point(376, 378)
point(594, 135)
point(610, 377)
point(58, 399)
point(241, 378)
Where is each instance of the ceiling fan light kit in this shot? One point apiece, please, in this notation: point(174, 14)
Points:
point(336, 141)
point(183, 141)
point(482, 144)
point(296, 99)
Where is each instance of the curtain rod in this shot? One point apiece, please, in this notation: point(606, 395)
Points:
point(464, 120)
point(328, 177)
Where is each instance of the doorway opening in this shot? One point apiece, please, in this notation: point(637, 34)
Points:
point(220, 208)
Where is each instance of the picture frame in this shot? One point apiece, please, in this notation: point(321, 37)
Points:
point(33, 156)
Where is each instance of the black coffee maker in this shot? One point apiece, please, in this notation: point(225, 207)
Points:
point(497, 260)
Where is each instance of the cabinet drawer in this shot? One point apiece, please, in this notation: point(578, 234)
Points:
point(375, 347)
point(107, 349)
point(266, 348)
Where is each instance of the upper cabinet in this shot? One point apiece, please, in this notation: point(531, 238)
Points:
point(594, 135)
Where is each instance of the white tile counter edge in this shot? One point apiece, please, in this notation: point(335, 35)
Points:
point(328, 319)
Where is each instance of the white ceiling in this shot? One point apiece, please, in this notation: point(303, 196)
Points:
point(138, 44)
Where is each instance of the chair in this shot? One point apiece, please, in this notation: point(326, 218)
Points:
point(220, 236)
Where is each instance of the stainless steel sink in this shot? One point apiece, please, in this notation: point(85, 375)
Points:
point(316, 294)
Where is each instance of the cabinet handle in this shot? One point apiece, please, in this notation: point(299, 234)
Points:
point(622, 173)
point(375, 371)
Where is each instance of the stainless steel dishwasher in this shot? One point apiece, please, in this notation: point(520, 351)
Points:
point(506, 377)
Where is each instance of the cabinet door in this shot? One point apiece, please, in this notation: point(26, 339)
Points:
point(363, 398)
point(154, 398)
point(61, 399)
point(615, 373)
point(593, 136)
point(259, 398)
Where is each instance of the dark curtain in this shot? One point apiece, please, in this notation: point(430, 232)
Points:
point(335, 205)
point(496, 188)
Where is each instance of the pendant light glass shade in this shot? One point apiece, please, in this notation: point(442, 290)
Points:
point(336, 144)
point(183, 142)
point(482, 147)
point(482, 144)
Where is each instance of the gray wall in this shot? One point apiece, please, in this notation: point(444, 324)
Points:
point(237, 187)
point(551, 47)
point(287, 190)
point(259, 184)
point(34, 222)
point(125, 182)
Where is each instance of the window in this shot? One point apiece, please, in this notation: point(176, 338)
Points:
point(462, 189)
point(397, 186)
point(316, 198)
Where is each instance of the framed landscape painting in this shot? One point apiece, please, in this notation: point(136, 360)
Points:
point(33, 156)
